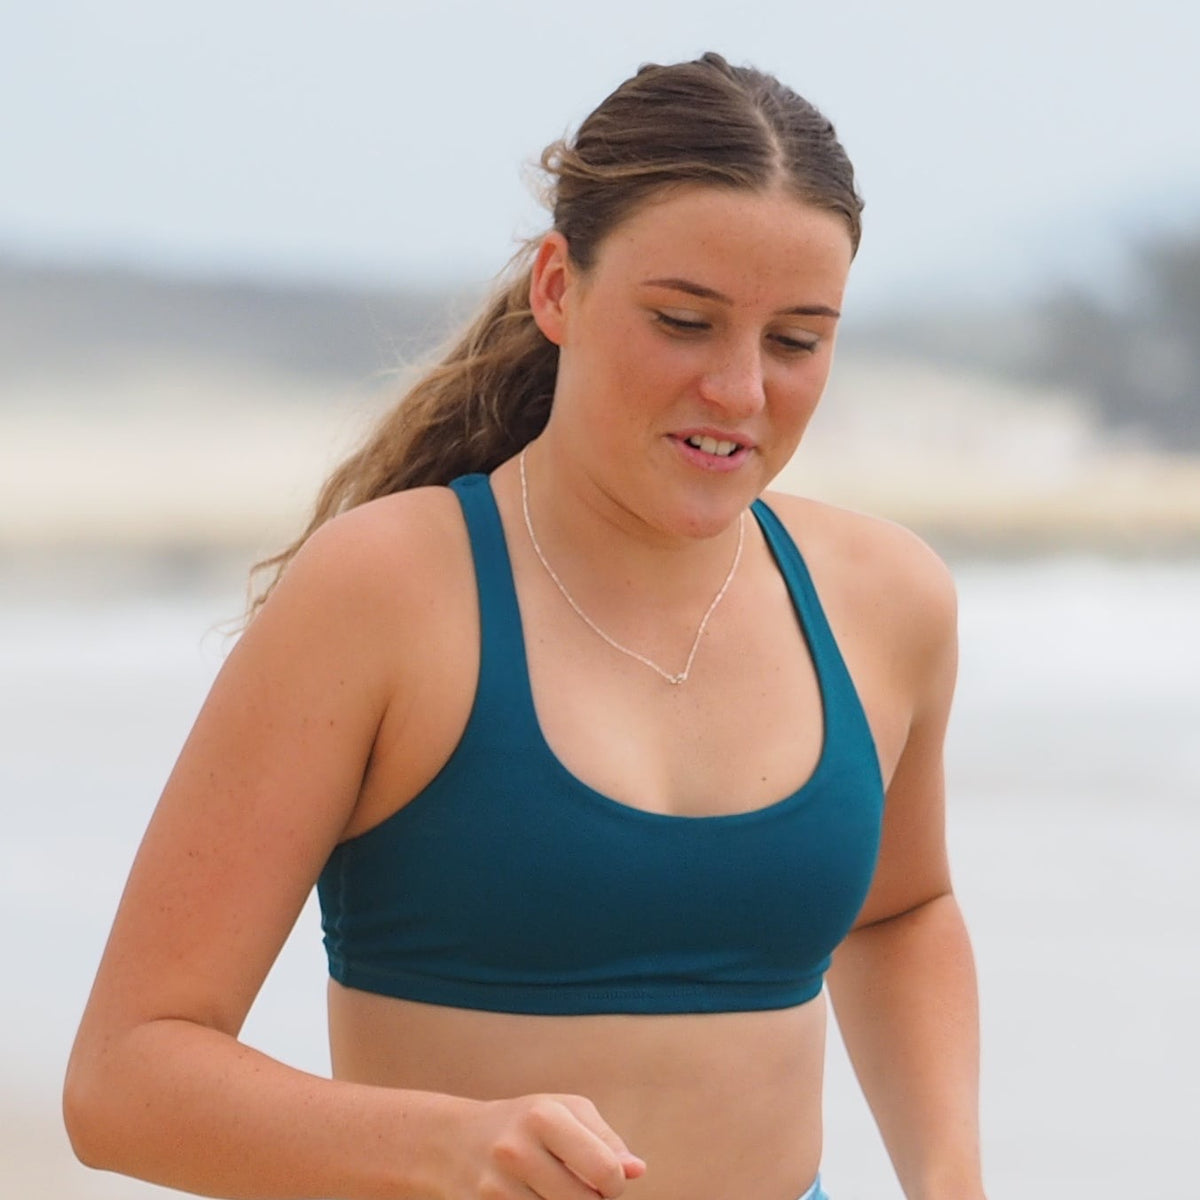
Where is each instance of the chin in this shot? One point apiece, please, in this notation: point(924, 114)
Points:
point(711, 518)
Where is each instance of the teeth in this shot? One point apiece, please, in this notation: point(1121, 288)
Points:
point(712, 446)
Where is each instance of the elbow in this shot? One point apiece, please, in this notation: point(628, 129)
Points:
point(84, 1110)
point(79, 1118)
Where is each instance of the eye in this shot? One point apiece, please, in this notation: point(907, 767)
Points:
point(792, 345)
point(681, 324)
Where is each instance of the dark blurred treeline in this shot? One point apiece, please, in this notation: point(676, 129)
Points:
point(1136, 353)
point(56, 318)
point(1130, 348)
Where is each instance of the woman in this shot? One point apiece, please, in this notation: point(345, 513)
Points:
point(592, 777)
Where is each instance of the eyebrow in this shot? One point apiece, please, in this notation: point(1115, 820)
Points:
point(707, 293)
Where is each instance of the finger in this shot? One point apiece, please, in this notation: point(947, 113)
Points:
point(632, 1166)
point(587, 1155)
point(550, 1178)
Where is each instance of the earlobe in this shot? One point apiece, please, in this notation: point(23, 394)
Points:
point(548, 282)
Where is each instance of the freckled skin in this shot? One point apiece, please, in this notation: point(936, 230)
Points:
point(631, 377)
point(683, 326)
point(717, 1104)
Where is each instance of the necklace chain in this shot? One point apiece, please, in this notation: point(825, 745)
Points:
point(687, 669)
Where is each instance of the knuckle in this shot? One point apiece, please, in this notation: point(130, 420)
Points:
point(506, 1152)
point(584, 1106)
point(544, 1111)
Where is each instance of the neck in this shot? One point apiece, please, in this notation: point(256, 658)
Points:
point(672, 676)
point(581, 521)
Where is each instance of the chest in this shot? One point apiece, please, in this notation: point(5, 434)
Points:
point(511, 883)
point(745, 729)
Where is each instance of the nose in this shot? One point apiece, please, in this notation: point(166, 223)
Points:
point(734, 381)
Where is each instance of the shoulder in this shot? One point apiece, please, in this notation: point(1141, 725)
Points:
point(873, 552)
point(398, 547)
point(882, 580)
point(388, 530)
point(368, 580)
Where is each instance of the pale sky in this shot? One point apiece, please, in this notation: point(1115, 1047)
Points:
point(997, 145)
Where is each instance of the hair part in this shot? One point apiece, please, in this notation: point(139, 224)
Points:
point(489, 394)
point(705, 123)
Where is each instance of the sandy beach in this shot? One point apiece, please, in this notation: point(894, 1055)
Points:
point(179, 455)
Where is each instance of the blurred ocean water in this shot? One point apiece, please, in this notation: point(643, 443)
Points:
point(1075, 826)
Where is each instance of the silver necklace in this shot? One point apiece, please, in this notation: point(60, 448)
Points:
point(687, 669)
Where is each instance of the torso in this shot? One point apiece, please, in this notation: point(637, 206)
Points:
point(719, 1104)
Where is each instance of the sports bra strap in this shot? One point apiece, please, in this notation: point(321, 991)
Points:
point(838, 693)
point(502, 662)
point(503, 669)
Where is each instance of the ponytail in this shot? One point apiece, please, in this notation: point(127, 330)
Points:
point(486, 399)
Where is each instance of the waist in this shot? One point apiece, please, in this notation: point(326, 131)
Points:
point(816, 1192)
point(699, 1096)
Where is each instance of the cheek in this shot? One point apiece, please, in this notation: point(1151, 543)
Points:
point(644, 366)
point(799, 389)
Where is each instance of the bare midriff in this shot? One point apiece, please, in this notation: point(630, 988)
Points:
point(719, 1105)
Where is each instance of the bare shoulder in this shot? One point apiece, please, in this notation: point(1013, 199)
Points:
point(881, 575)
point(397, 543)
point(367, 599)
point(383, 565)
point(875, 551)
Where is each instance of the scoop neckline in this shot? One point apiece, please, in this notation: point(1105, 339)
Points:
point(602, 799)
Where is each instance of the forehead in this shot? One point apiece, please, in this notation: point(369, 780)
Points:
point(741, 243)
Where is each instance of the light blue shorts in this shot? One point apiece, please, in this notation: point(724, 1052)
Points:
point(816, 1192)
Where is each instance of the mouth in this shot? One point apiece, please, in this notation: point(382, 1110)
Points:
point(711, 452)
point(711, 445)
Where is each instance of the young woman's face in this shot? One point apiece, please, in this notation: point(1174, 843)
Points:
point(695, 349)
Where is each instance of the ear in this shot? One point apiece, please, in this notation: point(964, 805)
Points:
point(549, 283)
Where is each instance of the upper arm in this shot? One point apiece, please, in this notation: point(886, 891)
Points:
point(892, 604)
point(262, 789)
point(912, 867)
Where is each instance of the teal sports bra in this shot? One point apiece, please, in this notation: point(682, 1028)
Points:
point(508, 884)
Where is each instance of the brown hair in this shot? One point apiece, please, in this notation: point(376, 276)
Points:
point(702, 122)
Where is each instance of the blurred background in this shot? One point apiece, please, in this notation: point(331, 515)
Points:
point(226, 230)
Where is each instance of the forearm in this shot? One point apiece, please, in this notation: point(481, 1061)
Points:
point(905, 996)
point(186, 1106)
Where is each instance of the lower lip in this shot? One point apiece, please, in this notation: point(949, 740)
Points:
point(711, 462)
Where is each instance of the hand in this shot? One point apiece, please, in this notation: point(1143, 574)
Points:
point(553, 1147)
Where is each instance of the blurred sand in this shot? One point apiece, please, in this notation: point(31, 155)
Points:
point(177, 455)
point(159, 459)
